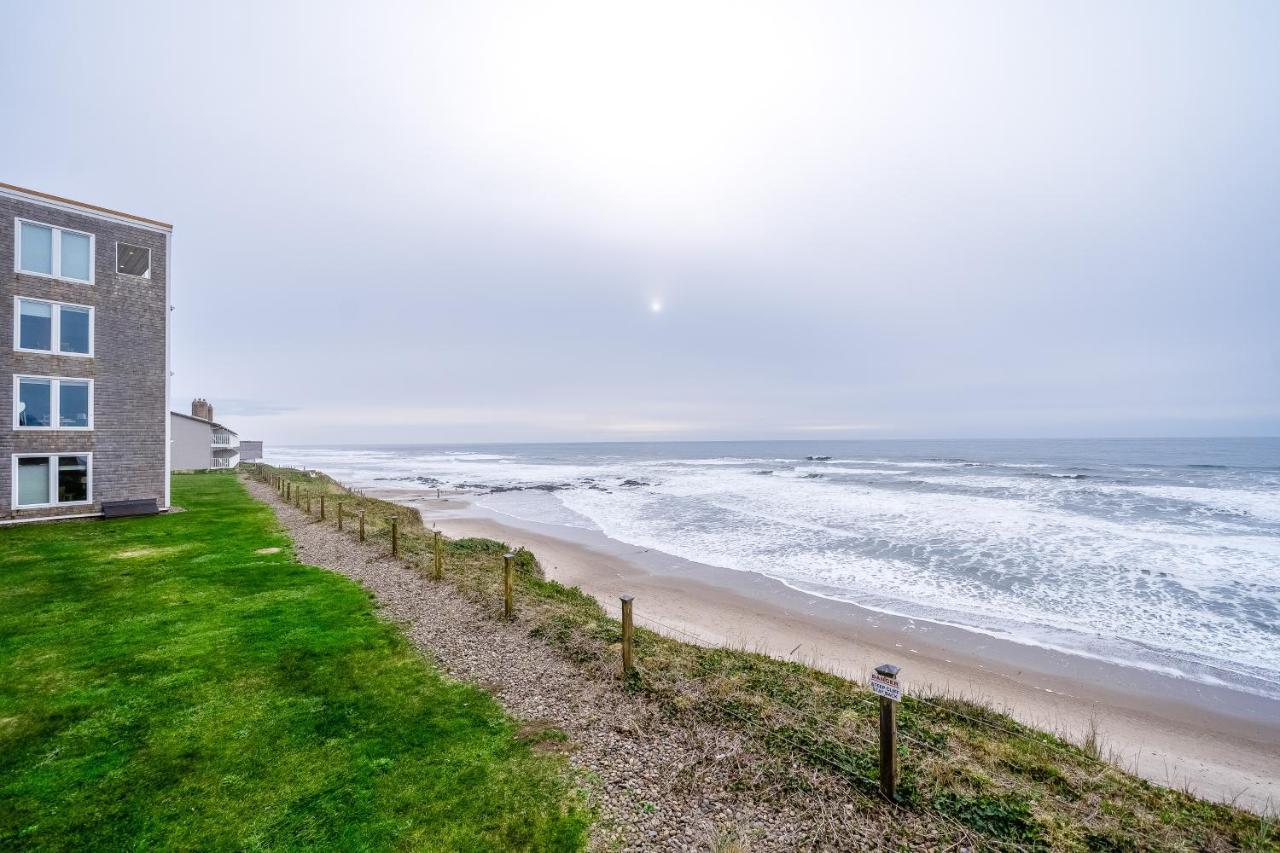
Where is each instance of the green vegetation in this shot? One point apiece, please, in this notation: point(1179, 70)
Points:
point(964, 768)
point(181, 682)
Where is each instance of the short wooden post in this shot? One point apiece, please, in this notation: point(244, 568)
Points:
point(361, 525)
point(395, 536)
point(507, 572)
point(288, 491)
point(628, 634)
point(888, 737)
point(339, 515)
point(322, 507)
point(439, 557)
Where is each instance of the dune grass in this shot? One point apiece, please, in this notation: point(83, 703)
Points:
point(964, 766)
point(180, 682)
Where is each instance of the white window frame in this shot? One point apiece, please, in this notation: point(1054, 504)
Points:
point(56, 321)
point(116, 269)
point(56, 260)
point(55, 403)
point(53, 479)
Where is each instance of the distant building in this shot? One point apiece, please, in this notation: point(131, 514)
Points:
point(84, 360)
point(201, 443)
point(250, 451)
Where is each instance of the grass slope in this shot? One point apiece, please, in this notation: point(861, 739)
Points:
point(164, 682)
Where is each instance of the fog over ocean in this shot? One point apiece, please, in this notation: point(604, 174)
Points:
point(1163, 554)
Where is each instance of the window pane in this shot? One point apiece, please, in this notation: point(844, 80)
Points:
point(73, 404)
point(33, 481)
point(35, 325)
point(73, 479)
point(75, 255)
point(33, 403)
point(74, 330)
point(133, 260)
point(37, 248)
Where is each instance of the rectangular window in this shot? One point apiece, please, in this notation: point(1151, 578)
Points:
point(53, 480)
point(133, 260)
point(56, 252)
point(73, 479)
point(35, 403)
point(47, 402)
point(35, 248)
point(33, 480)
point(53, 327)
point(73, 404)
point(75, 330)
point(35, 325)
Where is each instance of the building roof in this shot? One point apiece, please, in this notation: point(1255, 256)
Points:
point(92, 208)
point(214, 424)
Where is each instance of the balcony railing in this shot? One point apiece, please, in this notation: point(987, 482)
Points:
point(224, 462)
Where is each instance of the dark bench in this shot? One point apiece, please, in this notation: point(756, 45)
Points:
point(126, 509)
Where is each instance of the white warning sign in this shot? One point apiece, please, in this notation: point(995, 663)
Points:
point(886, 686)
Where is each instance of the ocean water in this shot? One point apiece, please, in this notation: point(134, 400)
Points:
point(1163, 554)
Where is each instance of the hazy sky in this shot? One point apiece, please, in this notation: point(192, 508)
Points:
point(453, 222)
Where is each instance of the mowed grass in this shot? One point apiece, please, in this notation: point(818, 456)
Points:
point(168, 682)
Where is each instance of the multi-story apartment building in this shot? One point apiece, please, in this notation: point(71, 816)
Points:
point(199, 443)
point(84, 358)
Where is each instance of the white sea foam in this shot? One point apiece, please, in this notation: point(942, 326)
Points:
point(1162, 574)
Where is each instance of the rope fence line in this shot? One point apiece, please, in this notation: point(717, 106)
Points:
point(804, 722)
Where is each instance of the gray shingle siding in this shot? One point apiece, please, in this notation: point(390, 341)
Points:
point(129, 366)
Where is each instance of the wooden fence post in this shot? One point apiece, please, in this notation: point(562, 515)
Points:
point(506, 583)
point(439, 558)
point(395, 536)
point(339, 515)
point(308, 504)
point(361, 525)
point(888, 737)
point(288, 491)
point(628, 634)
point(322, 507)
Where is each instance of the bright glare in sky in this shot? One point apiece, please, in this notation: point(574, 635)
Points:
point(655, 306)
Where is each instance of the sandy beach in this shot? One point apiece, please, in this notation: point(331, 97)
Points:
point(1221, 743)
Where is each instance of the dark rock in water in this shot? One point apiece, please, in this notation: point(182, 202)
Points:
point(409, 478)
point(541, 487)
point(762, 472)
point(813, 476)
point(599, 488)
point(471, 486)
point(818, 458)
point(634, 483)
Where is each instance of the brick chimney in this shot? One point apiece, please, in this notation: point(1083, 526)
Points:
point(200, 408)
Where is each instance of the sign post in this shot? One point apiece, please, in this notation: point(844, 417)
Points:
point(884, 683)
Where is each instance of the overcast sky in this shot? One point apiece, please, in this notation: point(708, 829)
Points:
point(454, 222)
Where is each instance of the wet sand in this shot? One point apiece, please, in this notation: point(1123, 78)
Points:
point(1221, 743)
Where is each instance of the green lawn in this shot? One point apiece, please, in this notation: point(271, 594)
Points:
point(165, 685)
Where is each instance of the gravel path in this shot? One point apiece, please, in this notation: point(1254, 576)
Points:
point(658, 783)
